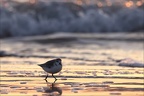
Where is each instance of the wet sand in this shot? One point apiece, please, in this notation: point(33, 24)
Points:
point(90, 65)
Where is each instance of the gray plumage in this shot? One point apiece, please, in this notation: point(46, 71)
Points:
point(52, 66)
point(51, 63)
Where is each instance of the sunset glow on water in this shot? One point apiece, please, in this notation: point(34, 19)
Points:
point(70, 16)
point(100, 3)
point(100, 43)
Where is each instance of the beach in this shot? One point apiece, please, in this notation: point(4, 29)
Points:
point(109, 64)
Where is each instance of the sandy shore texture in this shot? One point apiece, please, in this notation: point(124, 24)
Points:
point(93, 65)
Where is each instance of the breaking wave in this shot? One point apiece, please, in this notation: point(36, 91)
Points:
point(24, 19)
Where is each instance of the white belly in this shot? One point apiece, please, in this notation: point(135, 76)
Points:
point(54, 69)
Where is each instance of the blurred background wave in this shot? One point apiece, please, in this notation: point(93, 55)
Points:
point(40, 17)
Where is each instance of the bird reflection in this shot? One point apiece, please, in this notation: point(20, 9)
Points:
point(53, 89)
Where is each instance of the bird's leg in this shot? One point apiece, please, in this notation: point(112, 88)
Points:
point(46, 78)
point(55, 78)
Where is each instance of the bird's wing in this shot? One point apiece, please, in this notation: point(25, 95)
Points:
point(50, 63)
point(47, 64)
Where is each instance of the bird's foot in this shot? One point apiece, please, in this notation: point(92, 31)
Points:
point(46, 80)
point(55, 80)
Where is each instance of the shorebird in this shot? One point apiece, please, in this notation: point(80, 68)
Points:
point(52, 67)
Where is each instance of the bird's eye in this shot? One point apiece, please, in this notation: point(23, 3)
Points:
point(58, 61)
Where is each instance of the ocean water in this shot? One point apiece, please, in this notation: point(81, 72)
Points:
point(40, 18)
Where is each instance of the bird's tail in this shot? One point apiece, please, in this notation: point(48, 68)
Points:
point(39, 64)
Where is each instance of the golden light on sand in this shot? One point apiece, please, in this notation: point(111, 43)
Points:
point(129, 4)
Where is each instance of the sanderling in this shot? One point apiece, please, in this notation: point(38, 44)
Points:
point(52, 66)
